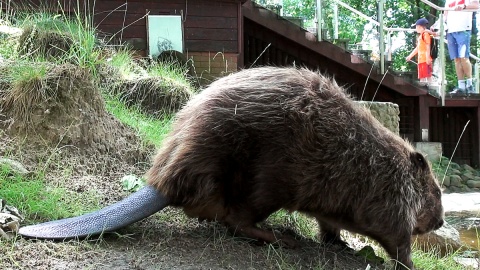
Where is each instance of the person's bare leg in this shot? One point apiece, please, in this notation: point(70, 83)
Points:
point(459, 69)
point(466, 67)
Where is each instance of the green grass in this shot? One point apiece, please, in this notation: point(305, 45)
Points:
point(84, 51)
point(432, 261)
point(171, 71)
point(38, 202)
point(303, 225)
point(124, 62)
point(152, 130)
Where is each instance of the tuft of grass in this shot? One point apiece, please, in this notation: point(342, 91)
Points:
point(124, 63)
point(433, 261)
point(40, 203)
point(73, 40)
point(303, 225)
point(151, 129)
point(172, 73)
point(26, 83)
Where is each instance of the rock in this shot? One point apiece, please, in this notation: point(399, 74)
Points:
point(10, 30)
point(445, 240)
point(10, 220)
point(454, 171)
point(471, 263)
point(466, 167)
point(454, 166)
point(445, 182)
point(466, 177)
point(466, 204)
point(455, 181)
point(473, 184)
point(15, 166)
point(431, 150)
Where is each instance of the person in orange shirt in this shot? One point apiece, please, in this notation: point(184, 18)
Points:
point(423, 50)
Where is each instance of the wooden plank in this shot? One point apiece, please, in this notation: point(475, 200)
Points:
point(211, 10)
point(52, 6)
point(210, 34)
point(447, 124)
point(119, 18)
point(203, 46)
point(106, 6)
point(205, 9)
point(129, 32)
point(210, 22)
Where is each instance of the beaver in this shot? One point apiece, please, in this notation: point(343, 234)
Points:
point(271, 138)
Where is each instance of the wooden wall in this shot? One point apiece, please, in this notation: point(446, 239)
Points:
point(447, 125)
point(209, 26)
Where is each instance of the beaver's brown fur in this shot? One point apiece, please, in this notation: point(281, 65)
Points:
point(270, 138)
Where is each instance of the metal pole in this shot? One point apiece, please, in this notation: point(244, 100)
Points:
point(442, 58)
point(381, 37)
point(335, 21)
point(319, 20)
point(477, 74)
point(389, 45)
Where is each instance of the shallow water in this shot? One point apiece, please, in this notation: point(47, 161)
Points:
point(467, 226)
point(470, 237)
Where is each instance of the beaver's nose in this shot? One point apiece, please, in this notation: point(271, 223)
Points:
point(439, 224)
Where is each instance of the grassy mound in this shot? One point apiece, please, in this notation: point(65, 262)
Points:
point(154, 95)
point(44, 43)
point(61, 105)
point(155, 88)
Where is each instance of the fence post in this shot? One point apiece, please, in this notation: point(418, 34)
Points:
point(319, 20)
point(442, 57)
point(477, 74)
point(381, 36)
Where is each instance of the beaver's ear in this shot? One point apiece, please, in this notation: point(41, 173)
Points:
point(419, 160)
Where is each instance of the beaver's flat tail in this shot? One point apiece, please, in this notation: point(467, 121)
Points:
point(135, 207)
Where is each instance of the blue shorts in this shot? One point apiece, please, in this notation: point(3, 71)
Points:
point(459, 44)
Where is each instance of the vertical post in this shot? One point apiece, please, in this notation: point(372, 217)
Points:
point(319, 20)
point(335, 20)
point(381, 37)
point(389, 45)
point(442, 57)
point(477, 75)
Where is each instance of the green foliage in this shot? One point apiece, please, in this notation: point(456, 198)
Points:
point(25, 81)
point(124, 63)
point(78, 32)
point(304, 9)
point(304, 226)
point(398, 14)
point(434, 261)
point(132, 183)
point(32, 197)
point(171, 72)
point(151, 129)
